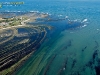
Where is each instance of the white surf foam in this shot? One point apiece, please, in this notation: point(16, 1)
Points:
point(85, 20)
point(66, 16)
point(84, 25)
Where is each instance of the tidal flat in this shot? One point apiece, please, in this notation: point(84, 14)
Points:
point(42, 44)
point(19, 39)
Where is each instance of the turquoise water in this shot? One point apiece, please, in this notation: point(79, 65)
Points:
point(65, 51)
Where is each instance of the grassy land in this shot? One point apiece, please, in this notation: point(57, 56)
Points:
point(6, 22)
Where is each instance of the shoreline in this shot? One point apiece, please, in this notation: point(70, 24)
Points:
point(23, 24)
point(31, 17)
point(22, 57)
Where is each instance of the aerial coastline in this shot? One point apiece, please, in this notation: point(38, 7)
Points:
point(13, 25)
point(17, 21)
point(50, 37)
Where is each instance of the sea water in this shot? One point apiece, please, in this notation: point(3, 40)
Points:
point(66, 51)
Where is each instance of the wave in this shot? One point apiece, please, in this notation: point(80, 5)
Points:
point(71, 24)
point(84, 25)
point(85, 20)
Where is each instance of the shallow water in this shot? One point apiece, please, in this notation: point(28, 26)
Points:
point(66, 50)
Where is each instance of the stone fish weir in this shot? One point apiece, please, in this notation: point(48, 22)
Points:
point(18, 42)
point(23, 41)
